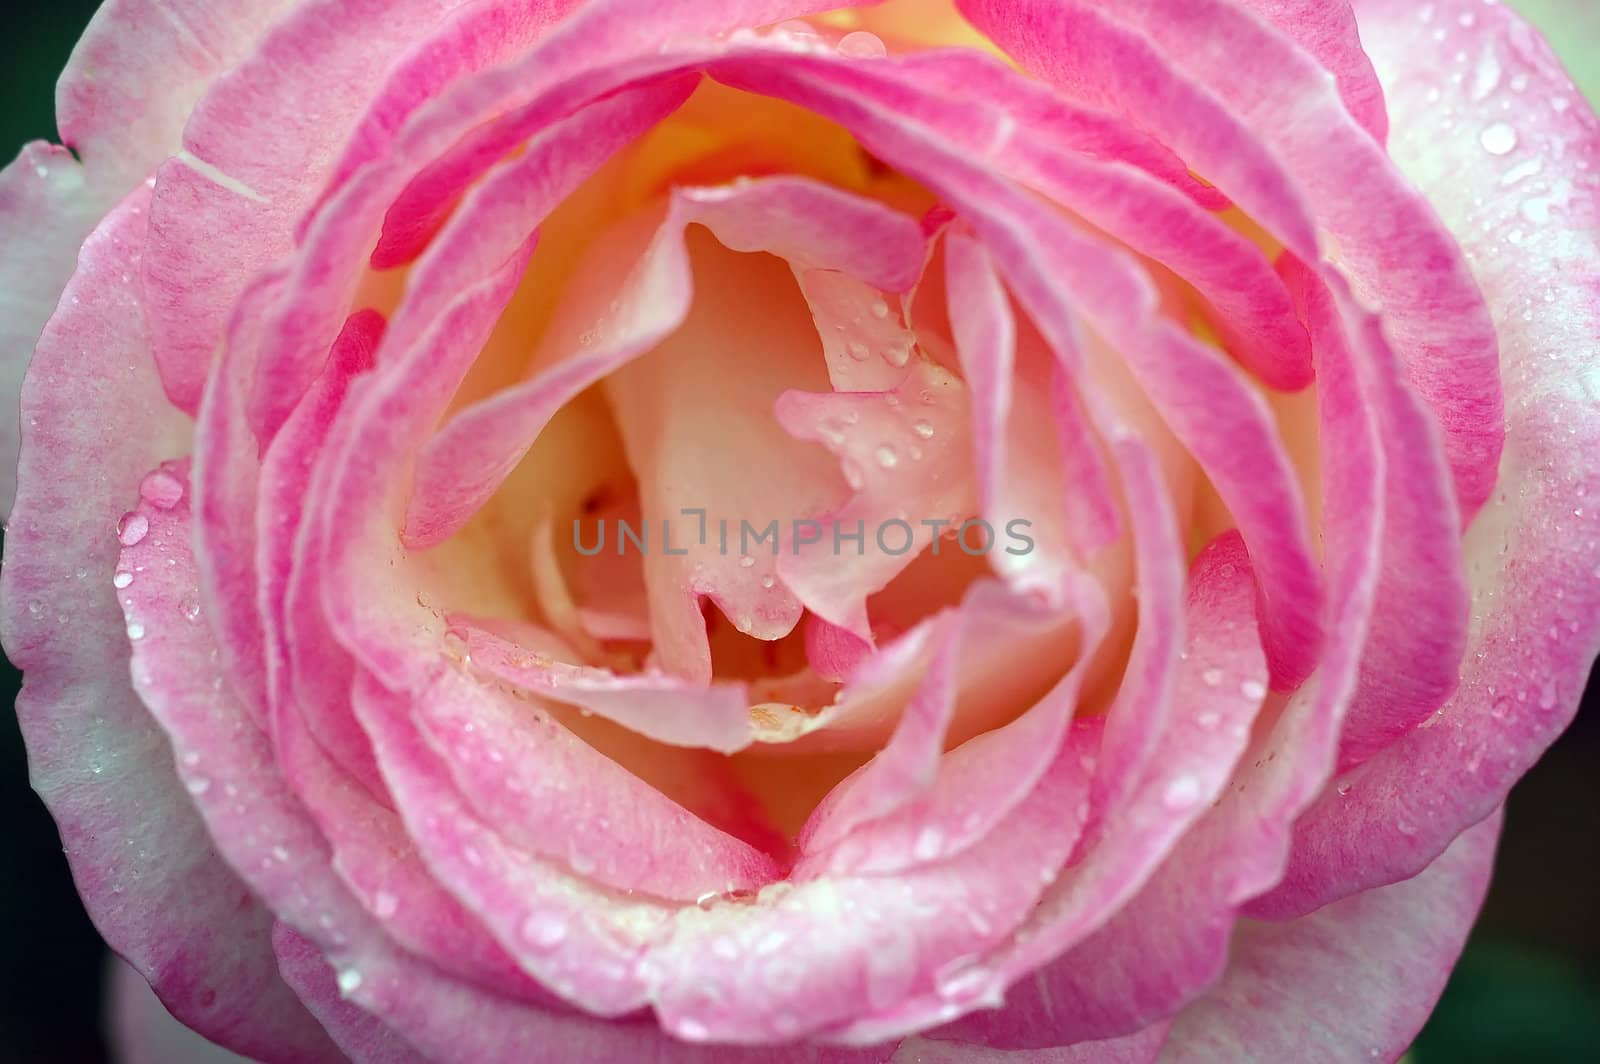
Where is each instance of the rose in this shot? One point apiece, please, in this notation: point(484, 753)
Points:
point(1213, 768)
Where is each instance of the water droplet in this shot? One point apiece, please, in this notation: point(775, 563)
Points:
point(544, 929)
point(135, 630)
point(886, 456)
point(923, 427)
point(132, 528)
point(880, 309)
point(456, 647)
point(1253, 689)
point(857, 350)
point(962, 980)
point(161, 490)
point(1181, 793)
point(280, 853)
point(798, 31)
point(1208, 720)
point(692, 1030)
point(1487, 77)
point(197, 785)
point(349, 982)
point(769, 581)
point(930, 841)
point(852, 475)
point(862, 45)
point(1498, 139)
point(122, 580)
point(580, 861)
point(1212, 677)
point(1343, 789)
point(746, 561)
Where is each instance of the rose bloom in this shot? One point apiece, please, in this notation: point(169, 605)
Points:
point(1247, 348)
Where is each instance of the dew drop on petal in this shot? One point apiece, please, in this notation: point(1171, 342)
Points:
point(746, 561)
point(122, 580)
point(857, 350)
point(923, 427)
point(1253, 689)
point(862, 45)
point(880, 309)
point(1498, 139)
point(544, 930)
point(887, 457)
point(135, 630)
point(1181, 793)
point(161, 490)
point(349, 981)
point(132, 528)
point(962, 980)
point(1212, 677)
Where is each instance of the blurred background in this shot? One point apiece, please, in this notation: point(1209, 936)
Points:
point(1528, 988)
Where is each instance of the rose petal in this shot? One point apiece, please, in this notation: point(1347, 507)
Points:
point(1358, 977)
point(1180, 68)
point(1531, 555)
point(142, 860)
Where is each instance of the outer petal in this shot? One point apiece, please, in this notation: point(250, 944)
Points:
point(1573, 29)
point(1260, 118)
point(136, 73)
point(1138, 1048)
point(46, 210)
point(142, 1031)
point(254, 156)
point(1353, 981)
point(1528, 219)
point(142, 860)
point(121, 121)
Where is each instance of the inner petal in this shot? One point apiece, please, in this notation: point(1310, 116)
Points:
point(712, 462)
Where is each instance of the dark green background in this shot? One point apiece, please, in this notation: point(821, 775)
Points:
point(1527, 990)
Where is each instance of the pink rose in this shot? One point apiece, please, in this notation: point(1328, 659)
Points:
point(1277, 552)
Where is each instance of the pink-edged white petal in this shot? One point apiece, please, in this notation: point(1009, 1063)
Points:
point(1533, 555)
point(144, 865)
